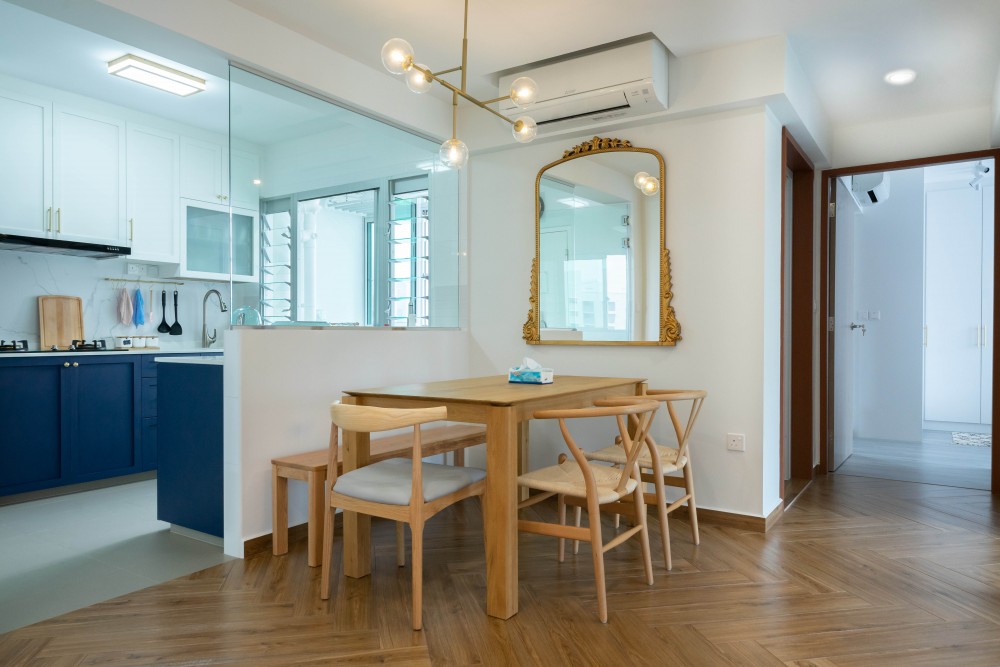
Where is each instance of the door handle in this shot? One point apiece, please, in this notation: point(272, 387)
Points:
point(858, 326)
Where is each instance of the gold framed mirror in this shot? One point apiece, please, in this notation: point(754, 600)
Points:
point(601, 273)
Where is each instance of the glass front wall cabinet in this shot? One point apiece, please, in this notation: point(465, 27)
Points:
point(358, 219)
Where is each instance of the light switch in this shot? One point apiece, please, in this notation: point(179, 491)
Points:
point(875, 314)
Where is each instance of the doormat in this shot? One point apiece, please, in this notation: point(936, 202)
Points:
point(974, 439)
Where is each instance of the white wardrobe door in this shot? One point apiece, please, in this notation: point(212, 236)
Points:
point(952, 359)
point(986, 394)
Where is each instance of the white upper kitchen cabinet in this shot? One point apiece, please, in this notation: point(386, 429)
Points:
point(245, 170)
point(26, 148)
point(88, 184)
point(203, 171)
point(152, 194)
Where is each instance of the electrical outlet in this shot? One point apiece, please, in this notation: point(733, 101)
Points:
point(736, 442)
point(134, 269)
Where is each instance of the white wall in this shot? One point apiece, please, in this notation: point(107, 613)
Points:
point(889, 270)
point(279, 384)
point(720, 226)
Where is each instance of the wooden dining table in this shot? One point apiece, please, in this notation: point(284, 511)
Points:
point(505, 409)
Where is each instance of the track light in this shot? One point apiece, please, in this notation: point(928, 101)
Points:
point(979, 172)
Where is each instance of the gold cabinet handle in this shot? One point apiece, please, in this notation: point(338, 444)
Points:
point(131, 229)
point(75, 364)
point(58, 221)
point(66, 364)
point(50, 219)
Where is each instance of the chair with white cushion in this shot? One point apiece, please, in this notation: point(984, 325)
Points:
point(595, 486)
point(409, 491)
point(658, 462)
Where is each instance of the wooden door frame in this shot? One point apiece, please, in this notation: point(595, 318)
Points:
point(794, 160)
point(827, 181)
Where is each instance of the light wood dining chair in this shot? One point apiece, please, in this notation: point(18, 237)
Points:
point(404, 491)
point(583, 483)
point(658, 462)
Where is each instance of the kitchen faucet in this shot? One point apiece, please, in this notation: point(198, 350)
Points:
point(206, 340)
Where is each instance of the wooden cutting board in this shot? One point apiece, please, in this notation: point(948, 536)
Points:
point(60, 321)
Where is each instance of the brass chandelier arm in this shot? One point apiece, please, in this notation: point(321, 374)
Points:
point(459, 91)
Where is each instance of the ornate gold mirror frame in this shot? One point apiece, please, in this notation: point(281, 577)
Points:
point(670, 329)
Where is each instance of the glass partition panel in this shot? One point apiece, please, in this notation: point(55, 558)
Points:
point(358, 219)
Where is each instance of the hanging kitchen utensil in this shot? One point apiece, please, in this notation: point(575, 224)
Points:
point(164, 327)
point(149, 312)
point(176, 330)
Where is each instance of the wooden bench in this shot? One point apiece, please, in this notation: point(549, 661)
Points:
point(310, 467)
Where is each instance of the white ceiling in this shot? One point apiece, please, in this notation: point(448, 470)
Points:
point(845, 46)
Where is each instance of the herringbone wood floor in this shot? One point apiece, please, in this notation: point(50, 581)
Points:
point(859, 572)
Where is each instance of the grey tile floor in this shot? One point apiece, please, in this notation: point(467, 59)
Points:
point(936, 460)
point(69, 552)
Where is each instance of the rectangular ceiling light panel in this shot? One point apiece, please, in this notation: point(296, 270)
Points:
point(152, 74)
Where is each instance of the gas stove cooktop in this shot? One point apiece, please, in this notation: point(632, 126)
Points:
point(15, 346)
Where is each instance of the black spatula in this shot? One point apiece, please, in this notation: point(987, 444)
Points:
point(176, 330)
point(164, 327)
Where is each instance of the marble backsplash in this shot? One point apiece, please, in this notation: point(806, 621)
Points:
point(24, 276)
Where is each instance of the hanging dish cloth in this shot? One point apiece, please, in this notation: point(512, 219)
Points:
point(124, 307)
point(139, 317)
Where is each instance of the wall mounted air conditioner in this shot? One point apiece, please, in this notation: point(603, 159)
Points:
point(869, 189)
point(603, 86)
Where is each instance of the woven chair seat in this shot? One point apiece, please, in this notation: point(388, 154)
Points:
point(567, 478)
point(616, 454)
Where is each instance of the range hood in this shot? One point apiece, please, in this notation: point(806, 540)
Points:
point(61, 247)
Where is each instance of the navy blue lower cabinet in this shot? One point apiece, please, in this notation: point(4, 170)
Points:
point(105, 403)
point(189, 446)
point(67, 419)
point(31, 425)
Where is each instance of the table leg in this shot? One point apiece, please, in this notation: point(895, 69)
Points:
point(357, 527)
point(500, 511)
point(522, 457)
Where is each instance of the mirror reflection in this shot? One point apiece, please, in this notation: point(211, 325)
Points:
point(601, 274)
point(358, 219)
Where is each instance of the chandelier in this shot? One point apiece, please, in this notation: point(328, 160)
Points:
point(397, 56)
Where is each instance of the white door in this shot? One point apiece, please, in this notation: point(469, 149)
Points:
point(844, 338)
point(25, 145)
point(552, 295)
point(89, 177)
point(152, 192)
point(953, 306)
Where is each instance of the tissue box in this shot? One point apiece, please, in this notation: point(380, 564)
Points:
point(528, 376)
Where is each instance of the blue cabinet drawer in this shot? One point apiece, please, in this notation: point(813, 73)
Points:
point(148, 366)
point(149, 397)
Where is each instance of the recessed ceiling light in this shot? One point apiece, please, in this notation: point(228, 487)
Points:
point(153, 74)
point(900, 77)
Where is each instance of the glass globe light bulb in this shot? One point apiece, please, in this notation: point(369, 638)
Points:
point(523, 92)
point(650, 186)
point(418, 81)
point(454, 153)
point(525, 129)
point(397, 55)
point(639, 179)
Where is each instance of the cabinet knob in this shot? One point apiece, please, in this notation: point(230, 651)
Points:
point(66, 364)
point(75, 364)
